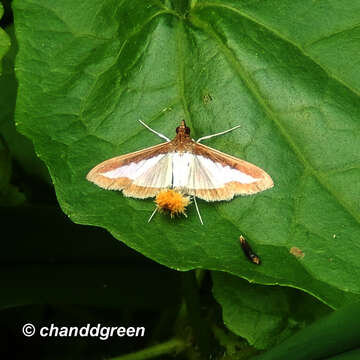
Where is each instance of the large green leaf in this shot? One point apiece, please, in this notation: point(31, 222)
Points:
point(88, 71)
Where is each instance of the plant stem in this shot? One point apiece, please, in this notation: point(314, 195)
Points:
point(170, 346)
point(199, 325)
point(181, 6)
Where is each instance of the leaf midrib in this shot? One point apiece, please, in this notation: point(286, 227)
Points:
point(180, 39)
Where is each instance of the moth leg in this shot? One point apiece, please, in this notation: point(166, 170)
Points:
point(155, 132)
point(217, 134)
point(152, 215)
point(197, 209)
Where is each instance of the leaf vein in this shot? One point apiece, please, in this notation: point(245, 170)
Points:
point(276, 33)
point(249, 82)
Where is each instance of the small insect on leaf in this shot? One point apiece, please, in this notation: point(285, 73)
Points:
point(207, 98)
point(249, 252)
point(184, 165)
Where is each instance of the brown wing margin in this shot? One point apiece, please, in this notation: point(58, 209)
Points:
point(232, 188)
point(123, 183)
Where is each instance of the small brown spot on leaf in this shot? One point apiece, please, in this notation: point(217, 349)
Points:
point(297, 252)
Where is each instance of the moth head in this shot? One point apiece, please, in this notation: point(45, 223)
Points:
point(183, 129)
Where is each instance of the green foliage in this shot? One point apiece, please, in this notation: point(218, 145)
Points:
point(9, 194)
point(4, 40)
point(336, 334)
point(20, 148)
point(264, 315)
point(88, 71)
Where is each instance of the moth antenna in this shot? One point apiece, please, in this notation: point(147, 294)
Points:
point(197, 209)
point(217, 134)
point(152, 215)
point(155, 132)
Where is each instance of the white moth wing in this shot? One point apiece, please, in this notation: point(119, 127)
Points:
point(133, 170)
point(140, 174)
point(146, 177)
point(220, 174)
point(154, 170)
point(217, 176)
point(157, 174)
point(202, 178)
point(195, 172)
point(198, 172)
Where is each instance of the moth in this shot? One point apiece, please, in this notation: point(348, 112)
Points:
point(184, 165)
